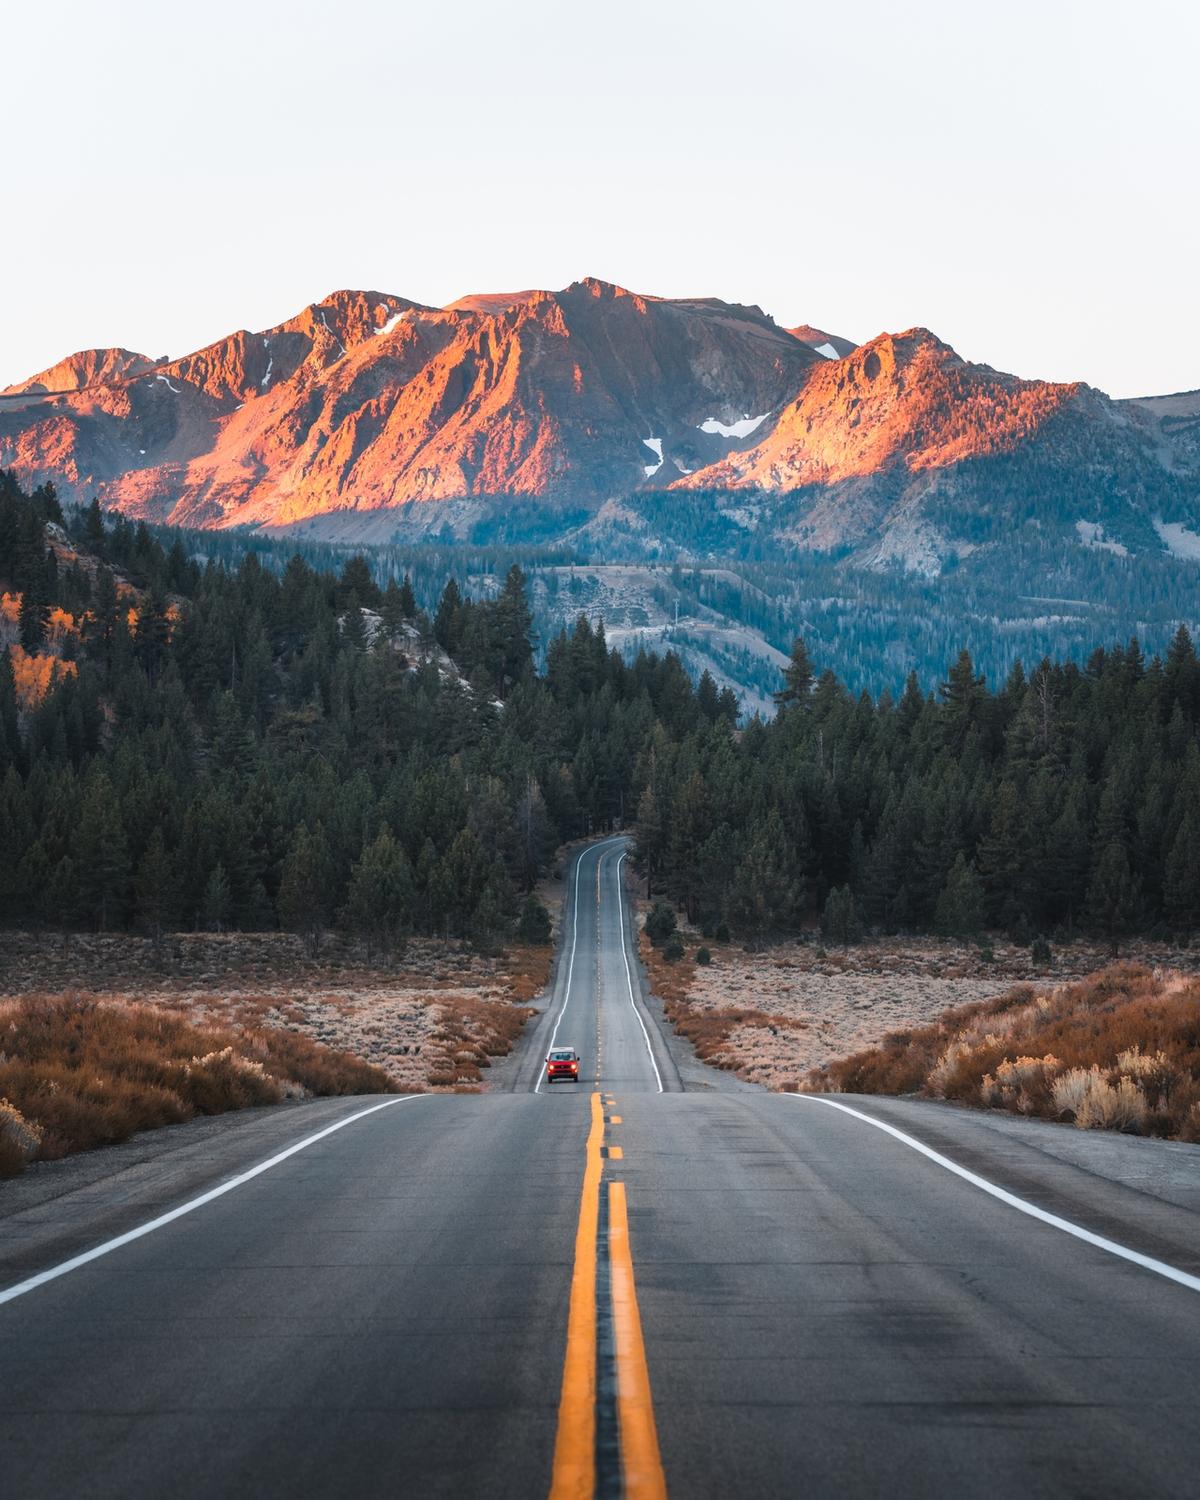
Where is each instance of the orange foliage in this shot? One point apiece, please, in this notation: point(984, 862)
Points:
point(60, 625)
point(35, 675)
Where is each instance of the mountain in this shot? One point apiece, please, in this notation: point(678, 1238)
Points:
point(365, 401)
point(904, 452)
point(594, 399)
point(79, 371)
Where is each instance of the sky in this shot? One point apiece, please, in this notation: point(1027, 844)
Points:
point(1021, 178)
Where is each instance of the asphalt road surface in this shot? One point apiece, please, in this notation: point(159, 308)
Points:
point(657, 1281)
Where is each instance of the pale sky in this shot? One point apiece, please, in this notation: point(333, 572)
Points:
point(1020, 177)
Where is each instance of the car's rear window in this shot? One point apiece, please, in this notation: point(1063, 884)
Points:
point(561, 1056)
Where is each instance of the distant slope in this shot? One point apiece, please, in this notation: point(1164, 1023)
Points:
point(906, 453)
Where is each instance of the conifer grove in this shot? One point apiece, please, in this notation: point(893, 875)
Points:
point(239, 747)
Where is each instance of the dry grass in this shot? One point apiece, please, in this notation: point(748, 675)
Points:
point(76, 1073)
point(1118, 1050)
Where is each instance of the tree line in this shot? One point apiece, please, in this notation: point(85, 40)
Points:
point(1066, 800)
point(240, 746)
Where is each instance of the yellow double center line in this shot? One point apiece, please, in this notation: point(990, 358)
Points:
point(574, 1473)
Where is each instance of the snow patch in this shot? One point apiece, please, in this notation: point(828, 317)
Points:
point(681, 468)
point(743, 427)
point(1178, 540)
point(327, 329)
point(655, 447)
point(827, 350)
point(391, 322)
point(142, 451)
point(168, 384)
point(270, 361)
point(1091, 534)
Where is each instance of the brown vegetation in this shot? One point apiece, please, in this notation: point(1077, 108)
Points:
point(76, 1073)
point(1118, 1050)
point(432, 1018)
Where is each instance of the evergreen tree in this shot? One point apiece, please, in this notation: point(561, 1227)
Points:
point(797, 677)
point(218, 900)
point(840, 921)
point(154, 886)
point(303, 887)
point(1181, 885)
point(533, 926)
point(961, 903)
point(379, 901)
point(1112, 896)
point(100, 855)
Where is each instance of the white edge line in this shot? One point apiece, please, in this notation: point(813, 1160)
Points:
point(1147, 1262)
point(10, 1294)
point(629, 976)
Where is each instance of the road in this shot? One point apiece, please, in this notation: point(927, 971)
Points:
point(657, 1281)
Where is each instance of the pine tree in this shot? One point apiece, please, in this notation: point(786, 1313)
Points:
point(649, 839)
point(840, 921)
point(392, 611)
point(101, 859)
point(154, 887)
point(218, 900)
point(303, 886)
point(1181, 881)
point(797, 677)
point(448, 623)
point(1112, 895)
point(960, 905)
point(533, 925)
point(379, 899)
point(34, 615)
point(93, 528)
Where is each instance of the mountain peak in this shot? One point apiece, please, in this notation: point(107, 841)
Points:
point(594, 287)
point(79, 371)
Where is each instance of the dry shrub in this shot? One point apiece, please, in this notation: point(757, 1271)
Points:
point(470, 1033)
point(19, 1139)
point(1086, 1096)
point(314, 1069)
point(85, 1074)
point(1117, 1050)
point(1023, 1085)
point(527, 969)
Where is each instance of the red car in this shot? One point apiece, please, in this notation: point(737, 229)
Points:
point(563, 1062)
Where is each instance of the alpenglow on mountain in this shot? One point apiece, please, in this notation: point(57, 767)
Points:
point(366, 403)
